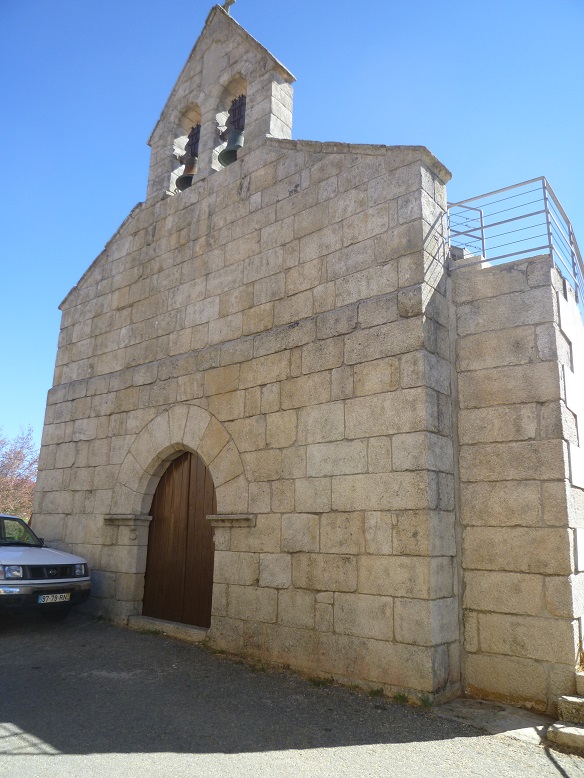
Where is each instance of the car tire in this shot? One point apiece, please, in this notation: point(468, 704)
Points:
point(56, 614)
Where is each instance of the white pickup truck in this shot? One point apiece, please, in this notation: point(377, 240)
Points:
point(34, 576)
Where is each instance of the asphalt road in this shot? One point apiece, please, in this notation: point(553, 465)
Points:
point(85, 698)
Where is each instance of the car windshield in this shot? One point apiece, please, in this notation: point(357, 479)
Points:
point(14, 532)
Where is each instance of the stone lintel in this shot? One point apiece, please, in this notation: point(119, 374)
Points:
point(233, 520)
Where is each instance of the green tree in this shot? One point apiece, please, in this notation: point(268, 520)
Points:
point(18, 468)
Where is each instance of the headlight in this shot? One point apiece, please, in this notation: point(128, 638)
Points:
point(80, 571)
point(10, 571)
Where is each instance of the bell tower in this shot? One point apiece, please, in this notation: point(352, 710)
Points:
point(231, 95)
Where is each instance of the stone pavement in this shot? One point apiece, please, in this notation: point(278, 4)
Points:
point(85, 697)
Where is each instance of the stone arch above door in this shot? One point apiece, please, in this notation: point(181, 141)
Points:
point(180, 428)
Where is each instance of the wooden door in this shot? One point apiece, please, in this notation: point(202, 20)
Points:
point(179, 566)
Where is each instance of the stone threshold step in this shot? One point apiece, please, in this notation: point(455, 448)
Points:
point(568, 735)
point(571, 708)
point(172, 629)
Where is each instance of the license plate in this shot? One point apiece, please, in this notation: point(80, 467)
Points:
point(55, 597)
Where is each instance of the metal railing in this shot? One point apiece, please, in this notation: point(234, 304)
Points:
point(516, 222)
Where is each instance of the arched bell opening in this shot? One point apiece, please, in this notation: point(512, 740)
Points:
point(178, 582)
point(230, 120)
point(186, 149)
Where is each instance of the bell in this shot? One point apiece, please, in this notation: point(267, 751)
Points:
point(234, 143)
point(186, 179)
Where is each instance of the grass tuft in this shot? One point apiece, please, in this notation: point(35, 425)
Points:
point(321, 681)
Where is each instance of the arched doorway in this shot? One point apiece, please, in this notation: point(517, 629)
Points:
point(179, 566)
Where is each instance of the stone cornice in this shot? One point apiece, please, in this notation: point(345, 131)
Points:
point(128, 520)
point(233, 520)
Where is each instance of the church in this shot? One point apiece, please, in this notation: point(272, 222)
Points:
point(287, 417)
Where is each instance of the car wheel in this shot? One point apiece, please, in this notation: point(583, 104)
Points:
point(56, 614)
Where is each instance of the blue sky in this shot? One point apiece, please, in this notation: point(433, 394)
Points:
point(494, 90)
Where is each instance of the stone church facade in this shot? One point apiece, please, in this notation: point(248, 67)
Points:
point(396, 450)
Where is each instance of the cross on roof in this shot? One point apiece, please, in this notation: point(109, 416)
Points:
point(227, 5)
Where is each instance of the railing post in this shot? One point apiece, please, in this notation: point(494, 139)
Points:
point(548, 219)
point(574, 263)
point(448, 244)
point(483, 241)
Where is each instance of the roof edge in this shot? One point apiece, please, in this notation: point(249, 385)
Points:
point(373, 149)
point(100, 255)
point(217, 9)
